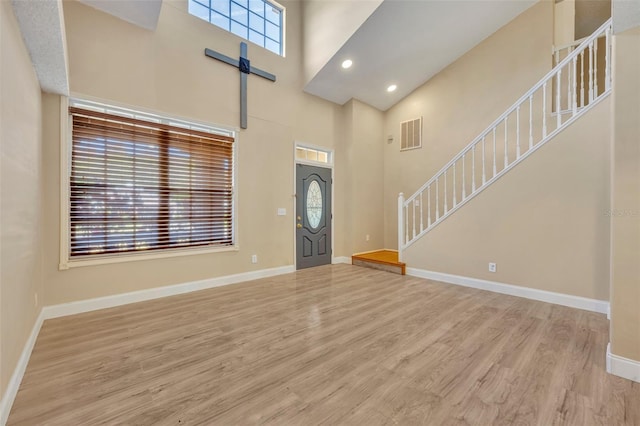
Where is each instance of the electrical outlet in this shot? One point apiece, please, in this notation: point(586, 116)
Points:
point(254, 258)
point(367, 238)
point(492, 267)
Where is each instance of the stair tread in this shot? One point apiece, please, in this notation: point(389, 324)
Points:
point(387, 257)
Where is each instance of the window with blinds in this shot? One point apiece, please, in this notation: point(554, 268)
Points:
point(140, 185)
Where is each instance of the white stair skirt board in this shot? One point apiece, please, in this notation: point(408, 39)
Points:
point(622, 367)
point(88, 305)
point(341, 259)
point(16, 378)
point(593, 305)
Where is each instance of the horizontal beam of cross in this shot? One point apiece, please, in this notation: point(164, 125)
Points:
point(236, 63)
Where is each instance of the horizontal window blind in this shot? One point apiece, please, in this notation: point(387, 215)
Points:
point(138, 185)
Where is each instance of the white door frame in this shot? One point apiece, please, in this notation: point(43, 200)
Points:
point(330, 164)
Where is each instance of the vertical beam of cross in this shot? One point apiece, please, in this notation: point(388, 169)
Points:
point(244, 65)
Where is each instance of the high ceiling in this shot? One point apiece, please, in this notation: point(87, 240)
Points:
point(406, 42)
point(144, 13)
point(403, 42)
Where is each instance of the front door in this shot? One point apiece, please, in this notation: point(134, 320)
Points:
point(313, 216)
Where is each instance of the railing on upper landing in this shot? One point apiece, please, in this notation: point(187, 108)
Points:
point(559, 98)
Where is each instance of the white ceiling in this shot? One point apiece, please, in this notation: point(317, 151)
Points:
point(406, 42)
point(143, 13)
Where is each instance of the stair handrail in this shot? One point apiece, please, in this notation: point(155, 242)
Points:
point(585, 43)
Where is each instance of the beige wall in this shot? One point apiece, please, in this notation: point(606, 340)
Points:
point(167, 71)
point(544, 223)
point(328, 24)
point(590, 15)
point(625, 212)
point(564, 20)
point(20, 194)
point(363, 153)
point(462, 100)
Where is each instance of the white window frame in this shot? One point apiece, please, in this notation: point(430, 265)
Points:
point(66, 135)
point(283, 21)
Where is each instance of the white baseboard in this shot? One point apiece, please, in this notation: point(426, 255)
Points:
point(341, 259)
point(88, 305)
point(622, 367)
point(600, 306)
point(16, 378)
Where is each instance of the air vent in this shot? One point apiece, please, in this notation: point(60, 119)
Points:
point(411, 134)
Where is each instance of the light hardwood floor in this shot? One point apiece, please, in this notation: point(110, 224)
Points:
point(331, 345)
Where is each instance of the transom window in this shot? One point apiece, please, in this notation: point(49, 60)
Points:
point(258, 21)
point(140, 182)
point(312, 154)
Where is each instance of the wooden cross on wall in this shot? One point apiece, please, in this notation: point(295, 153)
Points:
point(244, 65)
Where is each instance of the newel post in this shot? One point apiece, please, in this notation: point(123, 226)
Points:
point(400, 225)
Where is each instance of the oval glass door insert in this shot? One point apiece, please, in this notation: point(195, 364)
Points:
point(314, 204)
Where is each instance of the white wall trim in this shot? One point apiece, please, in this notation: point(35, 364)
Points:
point(18, 372)
point(341, 259)
point(622, 367)
point(594, 305)
point(88, 305)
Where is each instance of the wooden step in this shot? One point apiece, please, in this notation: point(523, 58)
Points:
point(385, 260)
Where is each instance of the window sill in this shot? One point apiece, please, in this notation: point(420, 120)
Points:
point(132, 257)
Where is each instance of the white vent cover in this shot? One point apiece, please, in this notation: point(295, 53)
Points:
point(411, 134)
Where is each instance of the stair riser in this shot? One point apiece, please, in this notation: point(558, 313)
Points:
point(396, 269)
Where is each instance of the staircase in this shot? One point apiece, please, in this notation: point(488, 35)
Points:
point(569, 90)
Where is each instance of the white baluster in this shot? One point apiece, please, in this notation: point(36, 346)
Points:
point(400, 225)
point(569, 96)
point(455, 201)
point(595, 68)
point(544, 110)
point(506, 146)
point(473, 170)
point(413, 221)
point(406, 221)
point(429, 206)
point(484, 173)
point(582, 78)
point(445, 193)
point(558, 90)
point(421, 224)
point(518, 132)
point(575, 91)
point(464, 192)
point(607, 58)
point(494, 152)
point(530, 121)
point(590, 72)
point(437, 200)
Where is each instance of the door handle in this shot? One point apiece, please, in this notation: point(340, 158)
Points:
point(299, 225)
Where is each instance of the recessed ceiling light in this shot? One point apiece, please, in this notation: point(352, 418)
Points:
point(392, 88)
point(347, 63)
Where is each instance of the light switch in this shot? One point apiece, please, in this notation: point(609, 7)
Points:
point(282, 212)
